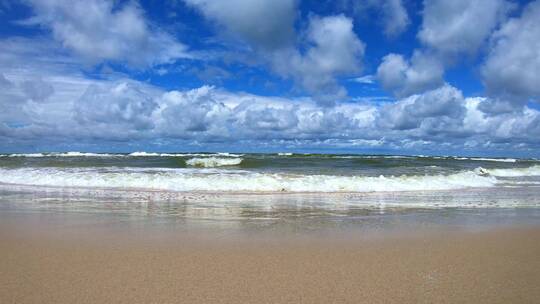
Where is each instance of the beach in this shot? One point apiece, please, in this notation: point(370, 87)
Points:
point(51, 263)
point(268, 228)
point(269, 151)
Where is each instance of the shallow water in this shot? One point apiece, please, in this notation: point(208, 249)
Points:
point(275, 192)
point(255, 173)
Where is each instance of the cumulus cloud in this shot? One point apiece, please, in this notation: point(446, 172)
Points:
point(123, 103)
point(459, 26)
point(31, 82)
point(333, 50)
point(449, 29)
point(46, 101)
point(11, 100)
point(268, 119)
point(442, 105)
point(330, 49)
point(193, 114)
point(395, 17)
point(391, 14)
point(267, 24)
point(511, 129)
point(511, 72)
point(125, 110)
point(100, 30)
point(404, 78)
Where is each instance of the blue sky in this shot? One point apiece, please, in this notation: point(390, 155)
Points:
point(392, 76)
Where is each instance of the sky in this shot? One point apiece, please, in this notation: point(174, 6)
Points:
point(432, 77)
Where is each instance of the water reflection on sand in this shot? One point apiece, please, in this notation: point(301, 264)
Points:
point(287, 211)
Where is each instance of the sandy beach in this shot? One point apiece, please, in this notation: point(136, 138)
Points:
point(493, 266)
point(269, 151)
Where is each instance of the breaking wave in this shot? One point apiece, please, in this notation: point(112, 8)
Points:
point(503, 160)
point(134, 154)
point(220, 180)
point(514, 172)
point(153, 154)
point(207, 162)
point(61, 154)
point(281, 154)
point(146, 154)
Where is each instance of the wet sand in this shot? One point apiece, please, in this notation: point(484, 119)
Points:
point(493, 266)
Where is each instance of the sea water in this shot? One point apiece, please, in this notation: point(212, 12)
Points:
point(265, 188)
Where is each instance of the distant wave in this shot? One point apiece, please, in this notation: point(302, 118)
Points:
point(237, 181)
point(150, 154)
point(24, 155)
point(146, 154)
point(213, 162)
point(61, 154)
point(134, 154)
point(224, 154)
point(504, 160)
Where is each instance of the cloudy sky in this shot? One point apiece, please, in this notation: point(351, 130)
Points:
point(374, 76)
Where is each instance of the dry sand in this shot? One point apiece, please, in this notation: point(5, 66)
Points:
point(500, 266)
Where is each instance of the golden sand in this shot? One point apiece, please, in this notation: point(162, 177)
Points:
point(455, 267)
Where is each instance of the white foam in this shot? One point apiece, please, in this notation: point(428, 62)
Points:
point(146, 154)
point(285, 154)
point(236, 181)
point(134, 154)
point(154, 154)
point(83, 154)
point(515, 172)
point(26, 155)
point(213, 162)
point(504, 160)
point(62, 154)
point(228, 154)
point(382, 156)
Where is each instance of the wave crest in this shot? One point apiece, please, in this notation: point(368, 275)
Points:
point(236, 181)
point(514, 172)
point(208, 162)
point(60, 154)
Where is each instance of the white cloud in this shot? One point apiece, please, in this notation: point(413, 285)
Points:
point(459, 26)
point(515, 128)
point(131, 111)
point(368, 79)
point(511, 72)
point(395, 17)
point(267, 24)
point(117, 110)
point(100, 30)
point(442, 105)
point(333, 50)
point(449, 29)
point(404, 78)
point(390, 14)
point(194, 114)
point(125, 103)
point(330, 49)
point(336, 48)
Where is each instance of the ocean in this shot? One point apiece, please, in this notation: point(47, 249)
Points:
point(307, 189)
